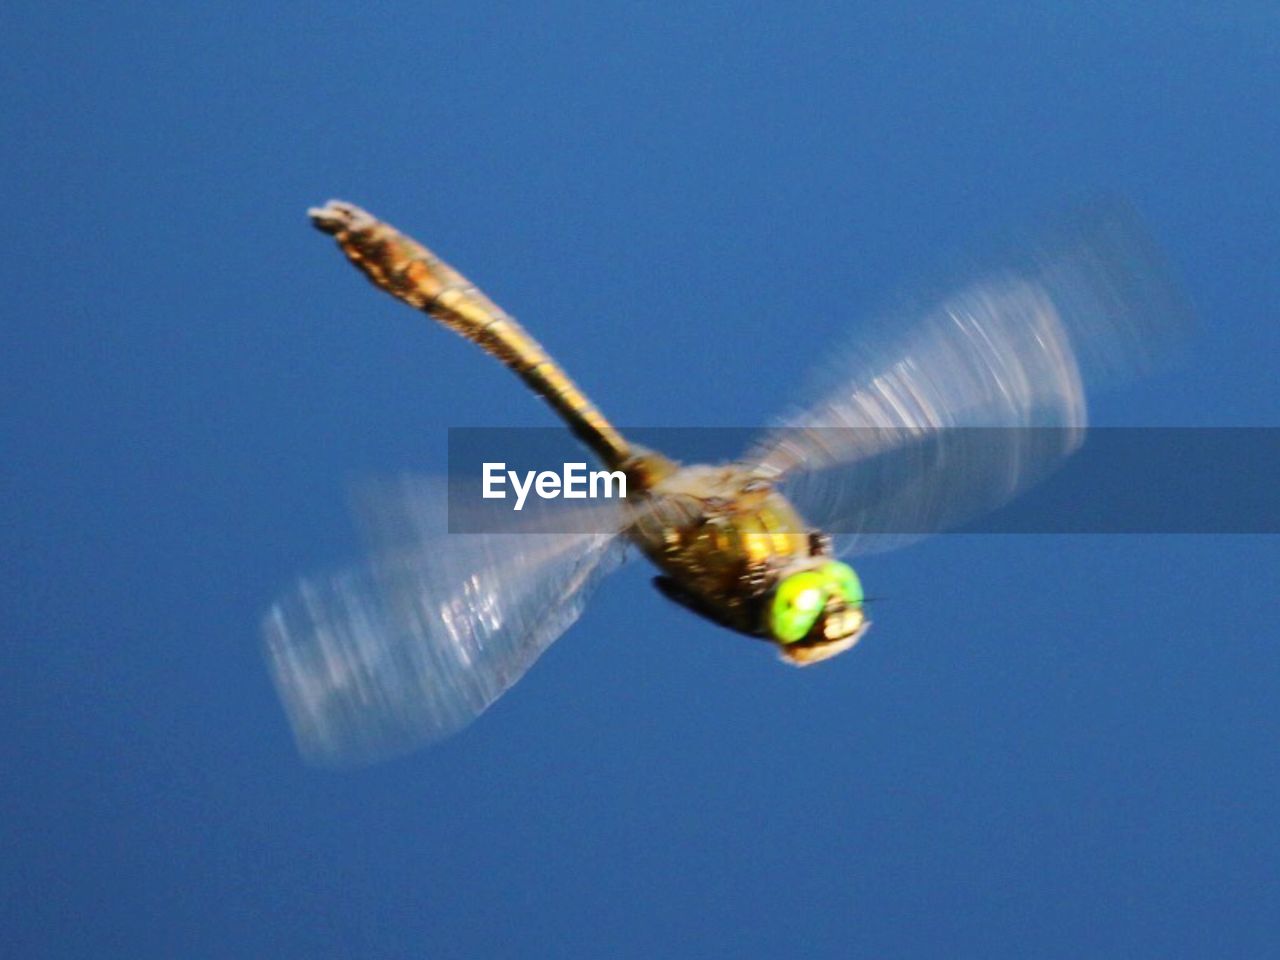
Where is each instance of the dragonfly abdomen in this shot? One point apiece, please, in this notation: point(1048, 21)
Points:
point(413, 274)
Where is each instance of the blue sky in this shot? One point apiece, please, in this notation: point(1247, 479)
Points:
point(1058, 746)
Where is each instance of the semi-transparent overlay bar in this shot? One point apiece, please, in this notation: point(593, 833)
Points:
point(1105, 480)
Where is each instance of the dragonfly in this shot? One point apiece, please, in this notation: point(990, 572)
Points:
point(418, 640)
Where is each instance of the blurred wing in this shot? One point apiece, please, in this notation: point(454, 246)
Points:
point(881, 454)
point(416, 644)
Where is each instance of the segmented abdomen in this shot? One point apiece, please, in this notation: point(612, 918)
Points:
point(410, 272)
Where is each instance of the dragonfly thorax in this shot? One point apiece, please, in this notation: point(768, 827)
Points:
point(735, 550)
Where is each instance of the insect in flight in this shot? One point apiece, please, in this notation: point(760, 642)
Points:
point(417, 642)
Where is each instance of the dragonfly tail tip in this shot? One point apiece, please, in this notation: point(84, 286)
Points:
point(338, 216)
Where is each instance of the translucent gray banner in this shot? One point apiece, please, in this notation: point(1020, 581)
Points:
point(886, 483)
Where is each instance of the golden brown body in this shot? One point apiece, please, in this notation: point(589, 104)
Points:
point(721, 536)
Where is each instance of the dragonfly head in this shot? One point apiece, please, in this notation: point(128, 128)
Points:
point(816, 613)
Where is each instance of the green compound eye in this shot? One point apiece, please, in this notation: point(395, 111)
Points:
point(841, 578)
point(796, 605)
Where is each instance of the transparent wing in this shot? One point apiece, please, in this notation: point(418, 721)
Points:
point(885, 452)
point(412, 646)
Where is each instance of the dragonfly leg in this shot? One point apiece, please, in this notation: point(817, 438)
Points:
point(820, 544)
point(757, 579)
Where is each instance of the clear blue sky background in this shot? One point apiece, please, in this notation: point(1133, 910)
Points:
point(1047, 747)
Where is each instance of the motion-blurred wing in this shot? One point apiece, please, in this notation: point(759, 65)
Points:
point(883, 454)
point(416, 644)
